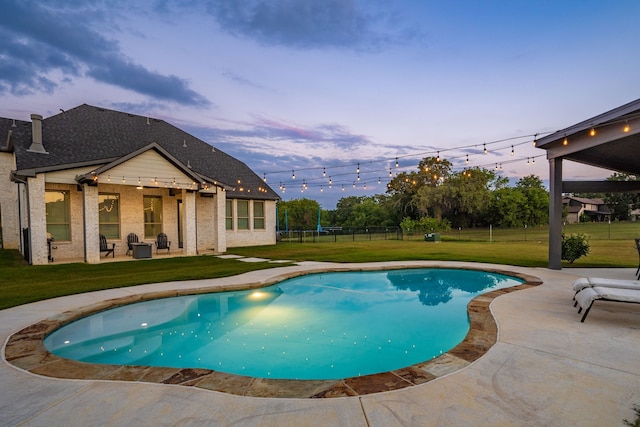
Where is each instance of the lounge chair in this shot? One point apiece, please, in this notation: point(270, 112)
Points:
point(587, 296)
point(131, 238)
point(590, 282)
point(104, 247)
point(163, 243)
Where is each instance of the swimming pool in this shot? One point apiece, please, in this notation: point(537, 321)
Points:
point(319, 326)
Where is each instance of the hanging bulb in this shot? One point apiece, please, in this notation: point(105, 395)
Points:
point(485, 148)
point(528, 161)
point(330, 181)
point(293, 175)
point(321, 189)
point(467, 159)
point(108, 178)
point(364, 186)
point(513, 153)
point(496, 166)
point(138, 180)
point(354, 185)
point(438, 158)
point(626, 127)
point(324, 172)
point(535, 139)
point(123, 180)
point(565, 141)
point(358, 169)
point(390, 173)
point(396, 162)
point(592, 132)
point(533, 160)
point(342, 187)
point(358, 177)
point(264, 177)
point(379, 180)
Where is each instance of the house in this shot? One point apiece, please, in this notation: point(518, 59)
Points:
point(89, 171)
point(577, 207)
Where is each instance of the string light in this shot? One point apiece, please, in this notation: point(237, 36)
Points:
point(565, 141)
point(467, 162)
point(626, 127)
point(513, 153)
point(592, 132)
point(485, 148)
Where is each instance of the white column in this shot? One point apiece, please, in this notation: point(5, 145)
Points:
point(91, 224)
point(190, 245)
point(221, 229)
point(37, 220)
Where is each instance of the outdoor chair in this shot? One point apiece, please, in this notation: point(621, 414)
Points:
point(109, 248)
point(587, 296)
point(638, 249)
point(131, 238)
point(163, 243)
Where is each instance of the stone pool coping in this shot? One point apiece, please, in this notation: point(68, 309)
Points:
point(25, 350)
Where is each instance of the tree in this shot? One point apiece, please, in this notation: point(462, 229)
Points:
point(301, 214)
point(536, 209)
point(621, 204)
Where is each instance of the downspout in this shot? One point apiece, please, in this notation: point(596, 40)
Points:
point(84, 223)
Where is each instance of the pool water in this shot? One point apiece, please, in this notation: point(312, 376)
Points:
point(319, 326)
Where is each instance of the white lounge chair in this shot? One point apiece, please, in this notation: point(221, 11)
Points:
point(590, 282)
point(587, 296)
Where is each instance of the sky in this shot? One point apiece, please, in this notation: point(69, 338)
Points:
point(319, 89)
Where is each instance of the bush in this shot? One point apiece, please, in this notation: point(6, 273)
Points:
point(574, 247)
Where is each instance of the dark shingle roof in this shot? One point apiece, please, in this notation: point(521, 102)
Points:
point(93, 135)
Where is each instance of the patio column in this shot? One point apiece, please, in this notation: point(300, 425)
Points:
point(221, 214)
point(190, 245)
point(91, 224)
point(37, 220)
point(555, 214)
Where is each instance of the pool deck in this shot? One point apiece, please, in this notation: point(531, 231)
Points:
point(546, 368)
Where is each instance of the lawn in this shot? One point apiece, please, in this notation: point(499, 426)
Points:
point(21, 284)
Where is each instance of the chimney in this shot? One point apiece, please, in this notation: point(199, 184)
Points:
point(36, 143)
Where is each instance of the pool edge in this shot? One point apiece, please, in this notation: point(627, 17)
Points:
point(25, 350)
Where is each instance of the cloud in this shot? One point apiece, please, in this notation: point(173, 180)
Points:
point(312, 23)
point(37, 41)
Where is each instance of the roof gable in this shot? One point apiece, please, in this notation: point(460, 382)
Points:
point(87, 135)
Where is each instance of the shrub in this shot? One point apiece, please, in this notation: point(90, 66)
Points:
point(574, 247)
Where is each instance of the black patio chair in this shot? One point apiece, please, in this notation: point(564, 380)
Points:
point(104, 247)
point(163, 243)
point(638, 249)
point(131, 238)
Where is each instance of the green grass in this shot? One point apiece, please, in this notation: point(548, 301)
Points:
point(21, 284)
point(611, 247)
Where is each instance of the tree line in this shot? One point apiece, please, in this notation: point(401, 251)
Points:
point(434, 197)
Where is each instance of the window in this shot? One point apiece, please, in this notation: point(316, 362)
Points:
point(243, 214)
point(109, 215)
point(229, 215)
point(58, 216)
point(258, 215)
point(152, 216)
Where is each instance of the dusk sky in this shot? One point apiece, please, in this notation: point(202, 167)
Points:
point(320, 86)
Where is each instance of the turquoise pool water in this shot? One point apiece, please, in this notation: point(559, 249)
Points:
point(320, 326)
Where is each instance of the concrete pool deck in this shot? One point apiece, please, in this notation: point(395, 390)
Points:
point(546, 368)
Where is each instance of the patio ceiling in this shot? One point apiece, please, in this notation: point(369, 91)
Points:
point(610, 140)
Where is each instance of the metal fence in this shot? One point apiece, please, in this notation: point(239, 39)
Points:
point(341, 234)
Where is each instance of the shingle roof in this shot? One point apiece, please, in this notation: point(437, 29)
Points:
point(93, 135)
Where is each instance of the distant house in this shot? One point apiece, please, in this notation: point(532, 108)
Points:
point(576, 207)
point(91, 171)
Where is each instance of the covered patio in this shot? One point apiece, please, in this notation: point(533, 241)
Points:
point(610, 141)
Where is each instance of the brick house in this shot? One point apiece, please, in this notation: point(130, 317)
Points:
point(90, 171)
